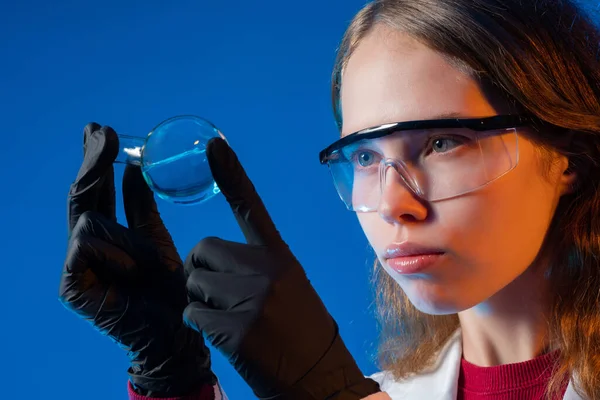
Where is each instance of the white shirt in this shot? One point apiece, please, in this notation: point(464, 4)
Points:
point(441, 381)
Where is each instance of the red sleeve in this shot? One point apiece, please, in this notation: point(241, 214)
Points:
point(206, 392)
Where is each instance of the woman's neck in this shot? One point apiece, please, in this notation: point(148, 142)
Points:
point(511, 326)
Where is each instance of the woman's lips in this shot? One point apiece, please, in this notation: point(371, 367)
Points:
point(413, 264)
point(411, 258)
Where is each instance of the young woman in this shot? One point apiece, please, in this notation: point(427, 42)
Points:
point(469, 150)
point(492, 229)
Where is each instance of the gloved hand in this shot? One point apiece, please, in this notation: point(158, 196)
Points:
point(255, 304)
point(129, 283)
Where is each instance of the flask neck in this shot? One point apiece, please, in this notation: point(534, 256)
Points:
point(130, 150)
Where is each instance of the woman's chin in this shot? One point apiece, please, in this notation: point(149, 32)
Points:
point(436, 302)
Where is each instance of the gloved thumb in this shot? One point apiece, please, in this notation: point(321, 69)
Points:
point(143, 216)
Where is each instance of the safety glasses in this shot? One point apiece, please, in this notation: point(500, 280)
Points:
point(435, 159)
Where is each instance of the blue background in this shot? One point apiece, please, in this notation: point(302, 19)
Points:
point(259, 70)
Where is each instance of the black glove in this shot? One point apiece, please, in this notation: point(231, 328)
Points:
point(129, 283)
point(255, 304)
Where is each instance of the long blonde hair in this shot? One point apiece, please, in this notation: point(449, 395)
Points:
point(543, 57)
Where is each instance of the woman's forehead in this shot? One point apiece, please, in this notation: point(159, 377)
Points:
point(391, 77)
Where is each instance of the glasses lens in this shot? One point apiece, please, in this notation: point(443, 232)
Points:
point(434, 164)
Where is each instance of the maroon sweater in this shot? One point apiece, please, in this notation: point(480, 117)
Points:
point(524, 380)
point(205, 393)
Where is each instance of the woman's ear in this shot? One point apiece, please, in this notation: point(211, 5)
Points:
point(569, 179)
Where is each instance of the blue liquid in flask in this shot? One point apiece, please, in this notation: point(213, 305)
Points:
point(173, 159)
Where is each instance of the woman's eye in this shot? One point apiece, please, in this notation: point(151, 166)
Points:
point(444, 144)
point(365, 159)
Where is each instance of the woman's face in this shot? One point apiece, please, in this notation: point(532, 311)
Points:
point(488, 237)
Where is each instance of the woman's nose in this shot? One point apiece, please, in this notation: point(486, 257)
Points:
point(398, 203)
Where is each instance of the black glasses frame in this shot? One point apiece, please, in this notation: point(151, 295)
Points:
point(476, 124)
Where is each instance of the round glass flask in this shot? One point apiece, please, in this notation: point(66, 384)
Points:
point(173, 159)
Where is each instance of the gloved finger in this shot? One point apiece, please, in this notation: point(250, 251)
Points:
point(144, 218)
point(248, 208)
point(227, 291)
point(93, 189)
point(106, 199)
point(93, 272)
point(130, 245)
point(216, 254)
point(223, 329)
point(101, 283)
